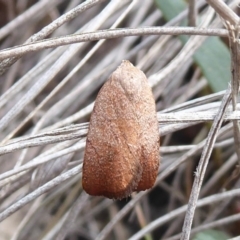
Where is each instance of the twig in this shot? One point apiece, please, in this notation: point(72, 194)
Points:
point(108, 34)
point(212, 225)
point(42, 159)
point(55, 68)
point(200, 203)
point(224, 11)
point(202, 166)
point(192, 13)
point(41, 190)
point(235, 63)
point(178, 120)
point(48, 29)
point(33, 12)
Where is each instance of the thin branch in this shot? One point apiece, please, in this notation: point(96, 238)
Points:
point(224, 11)
point(49, 28)
point(185, 117)
point(173, 214)
point(109, 34)
point(72, 216)
point(35, 11)
point(203, 165)
point(56, 67)
point(212, 225)
point(192, 13)
point(42, 159)
point(78, 131)
point(235, 63)
point(41, 190)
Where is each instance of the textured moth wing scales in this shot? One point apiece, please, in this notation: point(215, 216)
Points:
point(122, 147)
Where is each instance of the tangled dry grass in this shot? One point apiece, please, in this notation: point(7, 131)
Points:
point(55, 55)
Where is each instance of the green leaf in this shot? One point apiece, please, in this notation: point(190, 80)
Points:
point(211, 235)
point(213, 57)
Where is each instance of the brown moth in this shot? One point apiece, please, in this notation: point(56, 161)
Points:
point(122, 147)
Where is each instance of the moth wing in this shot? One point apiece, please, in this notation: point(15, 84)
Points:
point(112, 165)
point(122, 148)
point(149, 138)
